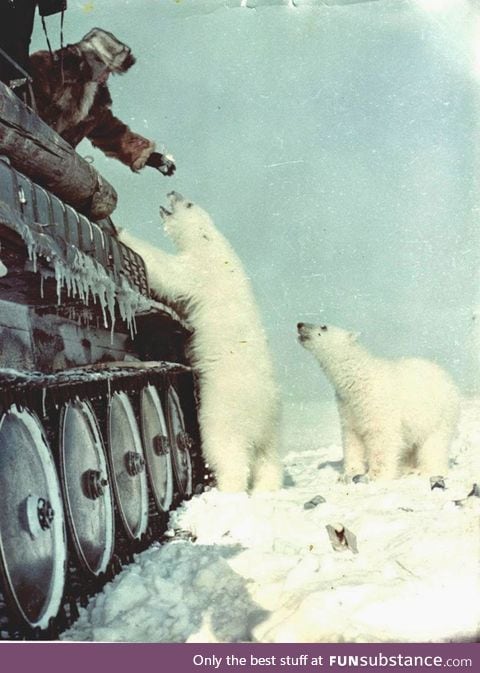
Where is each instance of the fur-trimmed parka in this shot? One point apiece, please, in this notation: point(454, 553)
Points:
point(72, 96)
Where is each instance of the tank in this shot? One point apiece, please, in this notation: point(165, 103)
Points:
point(98, 427)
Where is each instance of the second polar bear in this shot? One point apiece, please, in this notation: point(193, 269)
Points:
point(396, 415)
point(239, 403)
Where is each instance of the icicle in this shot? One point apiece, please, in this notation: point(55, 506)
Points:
point(103, 238)
point(90, 230)
point(59, 279)
point(44, 397)
point(32, 253)
point(80, 276)
point(112, 331)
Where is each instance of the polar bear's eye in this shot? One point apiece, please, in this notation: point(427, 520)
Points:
point(323, 328)
point(188, 205)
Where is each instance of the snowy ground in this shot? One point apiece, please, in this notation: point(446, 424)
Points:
point(262, 568)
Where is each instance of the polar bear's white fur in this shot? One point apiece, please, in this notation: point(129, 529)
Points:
point(239, 403)
point(396, 415)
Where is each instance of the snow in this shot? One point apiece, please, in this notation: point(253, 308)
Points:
point(262, 568)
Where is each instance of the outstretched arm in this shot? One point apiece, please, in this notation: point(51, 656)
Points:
point(117, 140)
point(166, 273)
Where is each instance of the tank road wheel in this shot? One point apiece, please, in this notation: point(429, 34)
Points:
point(128, 466)
point(157, 448)
point(32, 528)
point(181, 444)
point(88, 496)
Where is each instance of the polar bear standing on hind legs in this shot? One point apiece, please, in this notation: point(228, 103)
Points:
point(396, 415)
point(239, 403)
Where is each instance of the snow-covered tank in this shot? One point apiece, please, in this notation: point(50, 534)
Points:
point(98, 434)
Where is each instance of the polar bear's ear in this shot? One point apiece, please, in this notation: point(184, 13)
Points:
point(353, 336)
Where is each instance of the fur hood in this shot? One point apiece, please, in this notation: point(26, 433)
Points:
point(105, 52)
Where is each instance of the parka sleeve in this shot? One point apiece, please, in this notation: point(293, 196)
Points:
point(117, 140)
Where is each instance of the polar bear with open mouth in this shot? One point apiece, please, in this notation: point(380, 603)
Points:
point(239, 402)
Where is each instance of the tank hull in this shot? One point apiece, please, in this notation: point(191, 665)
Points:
point(98, 421)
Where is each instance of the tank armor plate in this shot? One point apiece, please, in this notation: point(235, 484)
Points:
point(80, 259)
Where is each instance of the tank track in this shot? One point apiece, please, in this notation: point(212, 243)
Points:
point(45, 395)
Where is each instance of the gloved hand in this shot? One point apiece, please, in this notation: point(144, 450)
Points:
point(161, 163)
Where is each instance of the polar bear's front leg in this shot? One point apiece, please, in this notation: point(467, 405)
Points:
point(224, 446)
point(167, 274)
point(432, 456)
point(267, 473)
point(228, 458)
point(384, 450)
point(354, 453)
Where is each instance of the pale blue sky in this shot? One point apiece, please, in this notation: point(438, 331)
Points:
point(335, 147)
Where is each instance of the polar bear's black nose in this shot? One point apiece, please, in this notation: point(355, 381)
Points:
point(300, 325)
point(175, 197)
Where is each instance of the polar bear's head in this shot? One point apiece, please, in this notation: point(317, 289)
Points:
point(326, 342)
point(185, 223)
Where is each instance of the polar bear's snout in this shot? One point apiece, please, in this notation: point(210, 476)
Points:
point(306, 326)
point(175, 197)
point(304, 330)
point(177, 201)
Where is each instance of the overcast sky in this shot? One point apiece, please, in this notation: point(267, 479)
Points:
point(334, 146)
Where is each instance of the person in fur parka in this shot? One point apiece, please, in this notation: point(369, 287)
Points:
point(72, 96)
